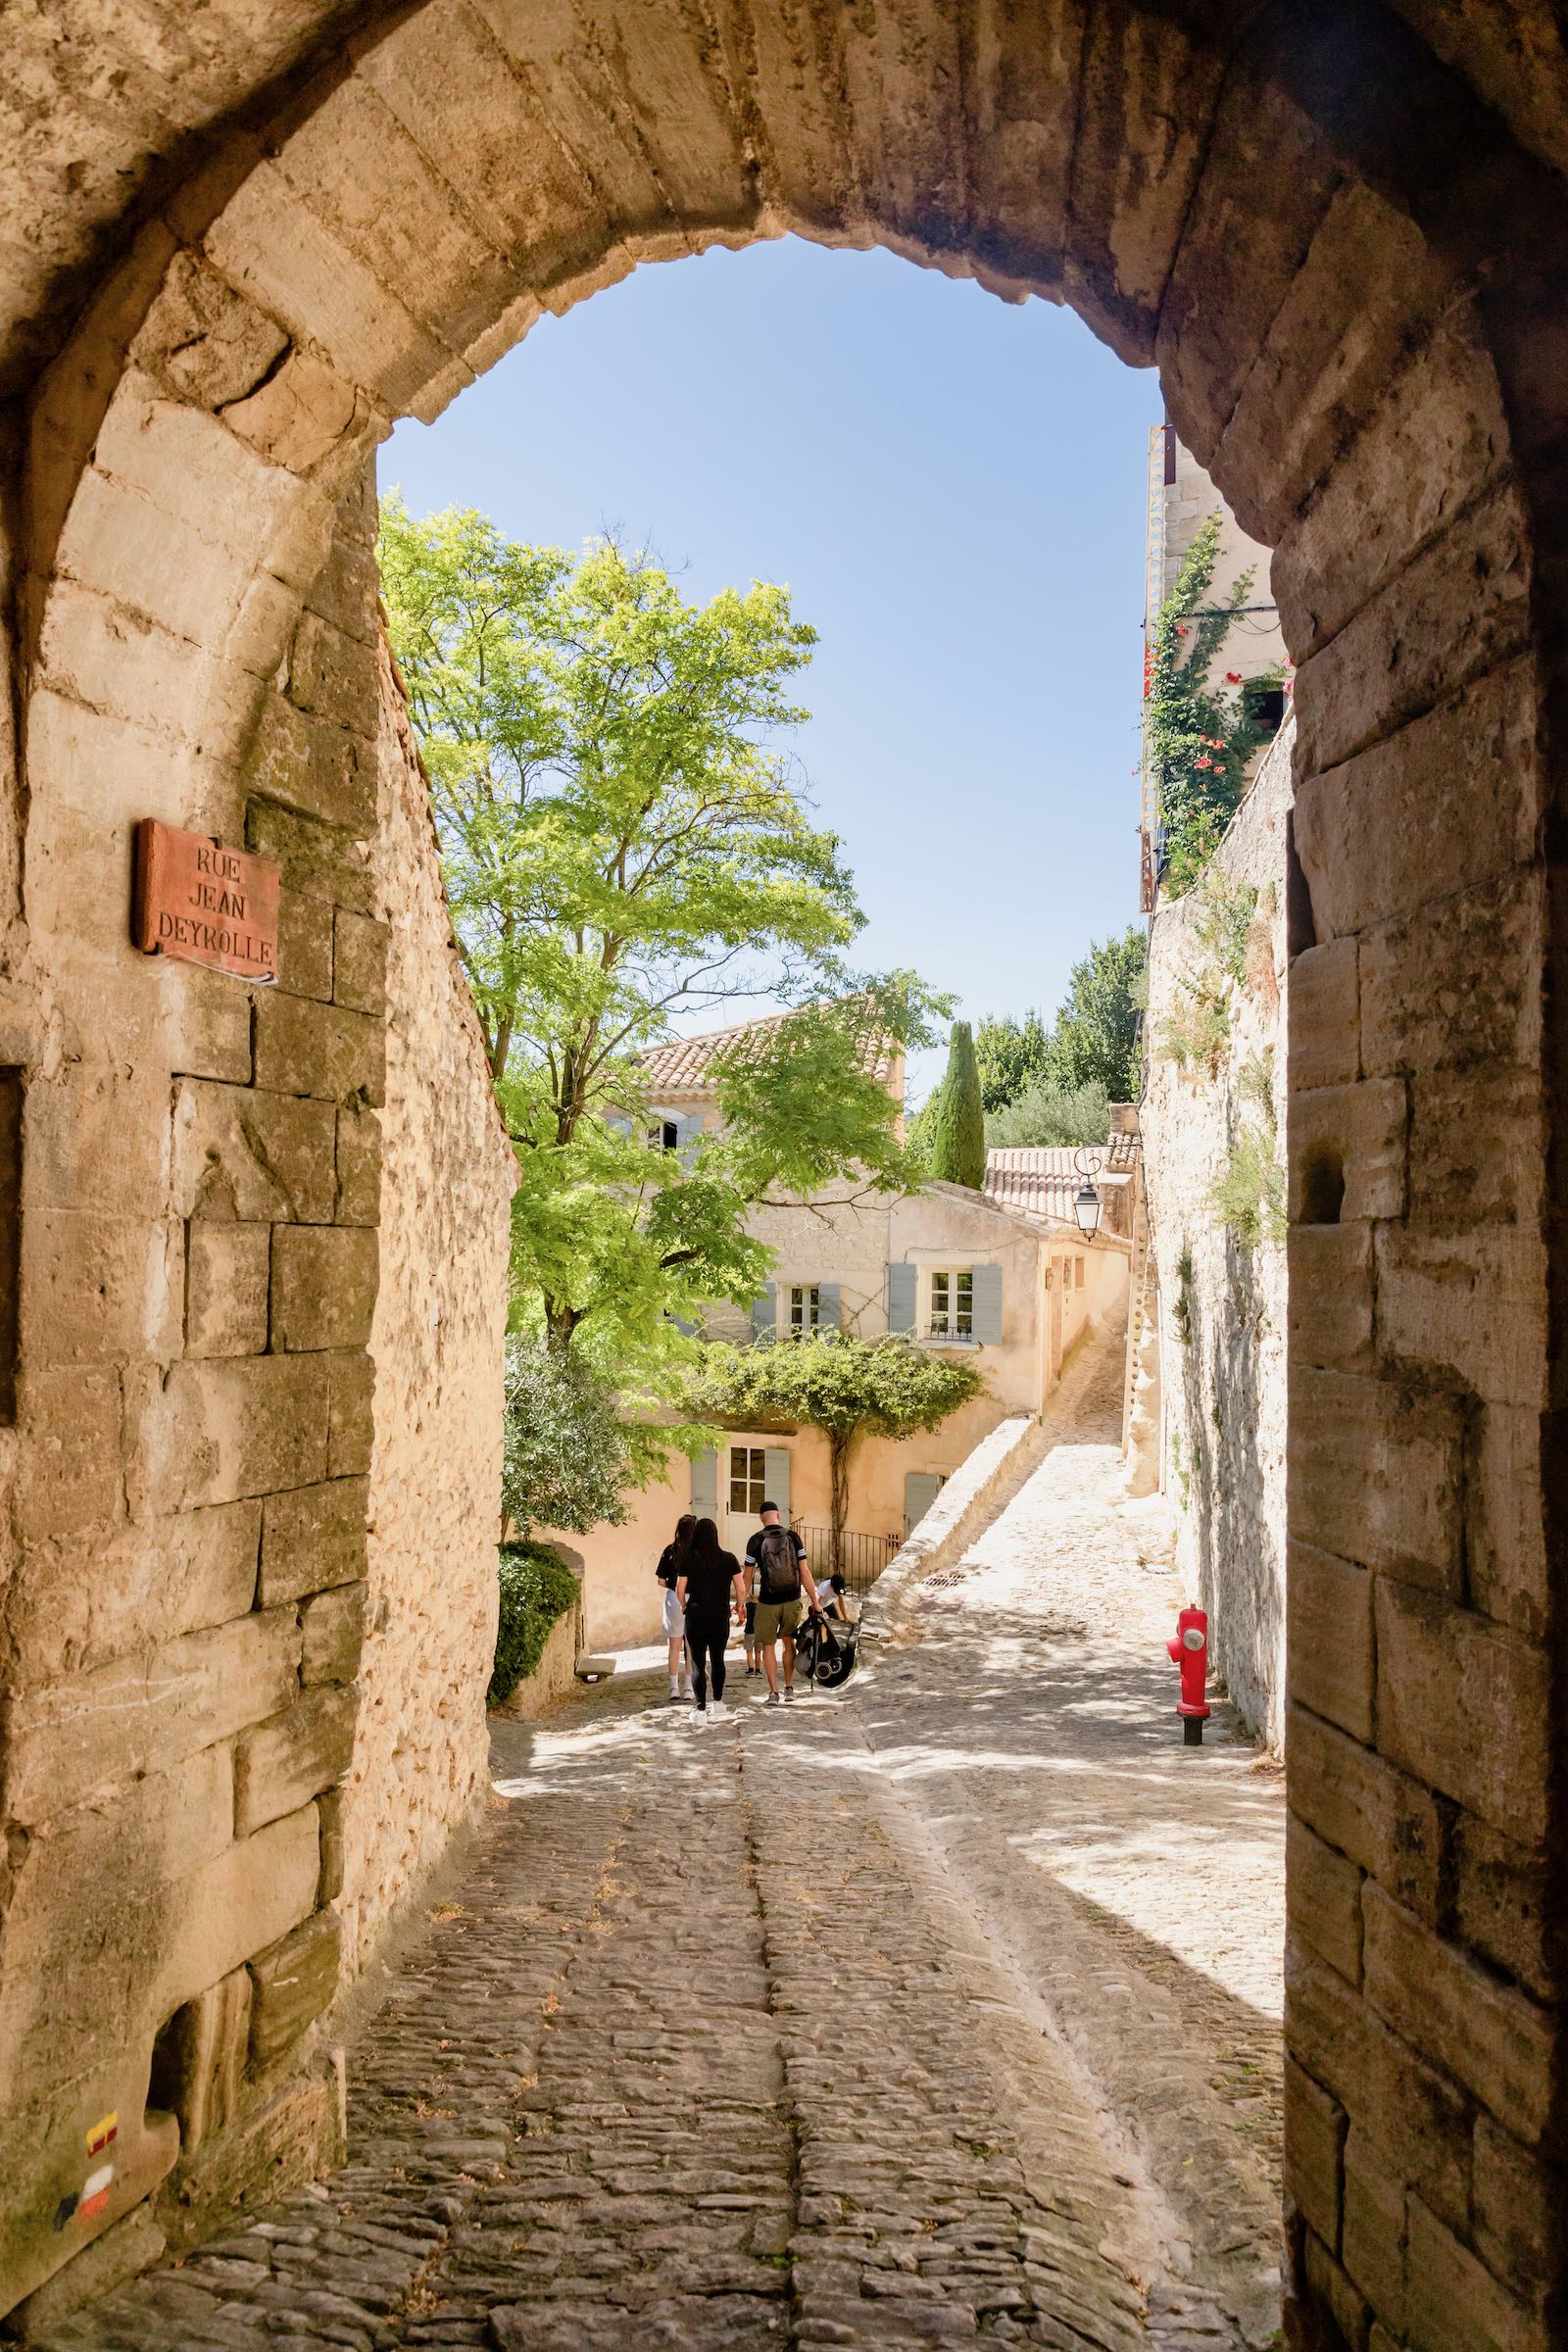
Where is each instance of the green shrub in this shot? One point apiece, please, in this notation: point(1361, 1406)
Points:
point(1254, 1083)
point(1195, 1033)
point(1052, 1115)
point(567, 1459)
point(1223, 920)
point(537, 1588)
point(1182, 1311)
point(1248, 1198)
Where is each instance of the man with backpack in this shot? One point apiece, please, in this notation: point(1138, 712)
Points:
point(776, 1558)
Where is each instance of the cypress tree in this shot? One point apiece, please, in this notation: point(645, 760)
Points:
point(958, 1141)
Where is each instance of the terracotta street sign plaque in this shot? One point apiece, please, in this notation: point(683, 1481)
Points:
point(205, 904)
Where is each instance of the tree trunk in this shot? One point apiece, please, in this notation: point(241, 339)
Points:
point(838, 1455)
point(561, 1321)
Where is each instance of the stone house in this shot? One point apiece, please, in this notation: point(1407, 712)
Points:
point(1005, 1273)
point(1182, 499)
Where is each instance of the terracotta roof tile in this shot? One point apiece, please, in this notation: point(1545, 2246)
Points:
point(681, 1065)
point(1042, 1180)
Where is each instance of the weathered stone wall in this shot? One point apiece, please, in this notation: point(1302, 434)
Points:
point(1338, 233)
point(447, 1172)
point(1222, 1299)
point(219, 1399)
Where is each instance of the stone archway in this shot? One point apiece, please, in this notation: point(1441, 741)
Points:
point(1342, 259)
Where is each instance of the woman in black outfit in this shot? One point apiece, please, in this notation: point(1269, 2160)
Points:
point(711, 1586)
point(667, 1573)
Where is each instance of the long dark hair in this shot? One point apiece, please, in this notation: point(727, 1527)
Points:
point(705, 1550)
point(681, 1541)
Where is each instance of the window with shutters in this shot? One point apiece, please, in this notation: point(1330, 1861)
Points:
point(920, 1490)
point(748, 1479)
point(665, 1136)
point(805, 1305)
point(952, 1309)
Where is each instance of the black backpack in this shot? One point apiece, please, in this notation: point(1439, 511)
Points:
point(779, 1569)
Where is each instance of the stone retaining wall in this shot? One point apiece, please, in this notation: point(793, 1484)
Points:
point(556, 1672)
point(421, 1746)
point(259, 1422)
point(1222, 1300)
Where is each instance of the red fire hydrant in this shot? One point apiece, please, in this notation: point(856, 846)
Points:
point(1189, 1649)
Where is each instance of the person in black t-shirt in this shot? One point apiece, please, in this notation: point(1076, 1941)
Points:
point(776, 1557)
point(712, 1587)
point(668, 1572)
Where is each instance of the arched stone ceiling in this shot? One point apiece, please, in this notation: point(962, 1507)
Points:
point(104, 109)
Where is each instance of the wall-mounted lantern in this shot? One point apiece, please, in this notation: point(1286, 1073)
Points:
point(1087, 1204)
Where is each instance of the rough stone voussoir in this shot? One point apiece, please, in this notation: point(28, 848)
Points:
point(281, 1764)
point(294, 1980)
point(313, 1539)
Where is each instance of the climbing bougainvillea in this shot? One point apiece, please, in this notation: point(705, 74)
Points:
point(1199, 735)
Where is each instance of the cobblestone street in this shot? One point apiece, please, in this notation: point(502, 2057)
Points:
point(885, 2022)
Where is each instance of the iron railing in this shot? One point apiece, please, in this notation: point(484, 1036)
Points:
point(861, 1557)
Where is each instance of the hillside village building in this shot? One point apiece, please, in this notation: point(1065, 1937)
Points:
point(1005, 1273)
point(1206, 1399)
point(1252, 659)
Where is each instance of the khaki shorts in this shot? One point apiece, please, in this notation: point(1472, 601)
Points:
point(775, 1617)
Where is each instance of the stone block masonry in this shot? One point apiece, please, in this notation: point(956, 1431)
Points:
point(249, 1622)
point(1222, 1300)
point(227, 272)
point(432, 1491)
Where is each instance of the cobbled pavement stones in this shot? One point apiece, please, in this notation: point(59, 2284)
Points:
point(714, 2049)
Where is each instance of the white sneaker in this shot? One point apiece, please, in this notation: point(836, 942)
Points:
point(699, 1718)
point(717, 1713)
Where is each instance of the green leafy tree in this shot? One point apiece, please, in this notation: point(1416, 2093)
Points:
point(1052, 1115)
point(1010, 1055)
point(959, 1131)
point(625, 845)
point(1094, 1041)
point(567, 1461)
point(846, 1387)
point(1199, 736)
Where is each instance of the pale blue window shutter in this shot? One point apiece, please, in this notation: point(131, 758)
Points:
point(776, 1478)
point(829, 1314)
point(705, 1484)
point(986, 1303)
point(688, 1135)
point(903, 1291)
point(765, 1310)
point(920, 1490)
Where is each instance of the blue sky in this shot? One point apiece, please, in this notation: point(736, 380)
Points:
point(954, 490)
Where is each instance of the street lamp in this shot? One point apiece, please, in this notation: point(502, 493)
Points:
point(1087, 1206)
